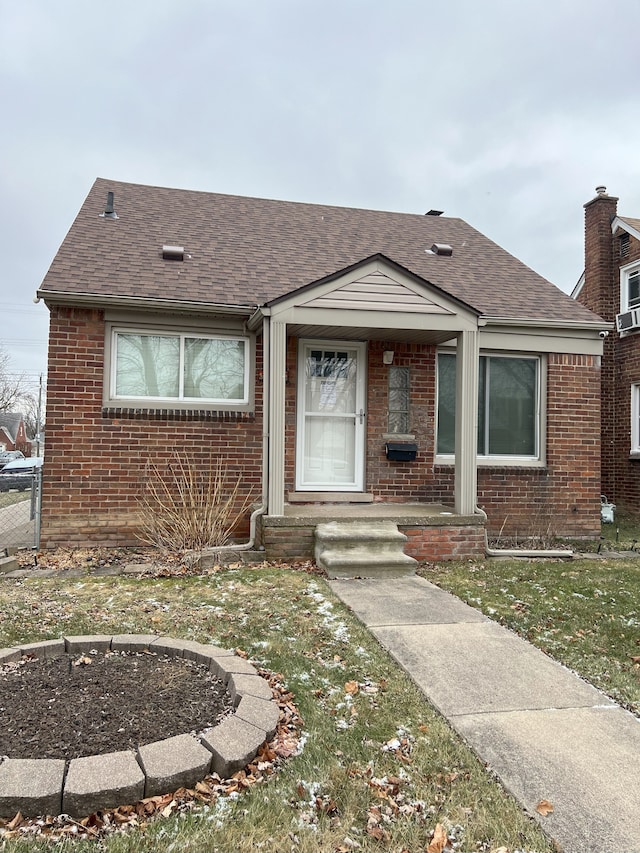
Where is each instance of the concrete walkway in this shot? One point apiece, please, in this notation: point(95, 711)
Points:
point(546, 733)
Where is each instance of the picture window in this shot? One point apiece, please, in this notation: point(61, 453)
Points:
point(179, 367)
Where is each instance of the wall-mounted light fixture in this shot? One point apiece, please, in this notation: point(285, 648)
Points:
point(387, 356)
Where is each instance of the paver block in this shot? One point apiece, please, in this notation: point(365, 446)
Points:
point(176, 762)
point(169, 646)
point(204, 652)
point(261, 713)
point(30, 785)
point(233, 744)
point(132, 642)
point(138, 568)
point(8, 564)
point(88, 643)
point(100, 782)
point(248, 685)
point(45, 650)
point(9, 655)
point(225, 667)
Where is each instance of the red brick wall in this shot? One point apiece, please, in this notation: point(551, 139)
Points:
point(621, 358)
point(95, 458)
point(292, 540)
point(562, 498)
point(389, 481)
point(625, 472)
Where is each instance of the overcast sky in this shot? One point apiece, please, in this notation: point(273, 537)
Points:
point(506, 113)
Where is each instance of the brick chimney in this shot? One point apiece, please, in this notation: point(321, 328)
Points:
point(600, 292)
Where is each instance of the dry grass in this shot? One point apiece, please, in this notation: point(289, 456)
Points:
point(378, 769)
point(187, 506)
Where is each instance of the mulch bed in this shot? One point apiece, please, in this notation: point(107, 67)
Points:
point(81, 705)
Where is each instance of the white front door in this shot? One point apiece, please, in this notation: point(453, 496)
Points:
point(331, 416)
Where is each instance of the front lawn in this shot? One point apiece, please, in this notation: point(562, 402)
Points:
point(377, 769)
point(584, 613)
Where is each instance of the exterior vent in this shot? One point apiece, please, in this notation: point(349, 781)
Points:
point(624, 245)
point(442, 249)
point(109, 211)
point(628, 321)
point(173, 253)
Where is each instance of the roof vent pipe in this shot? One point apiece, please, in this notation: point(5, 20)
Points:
point(601, 190)
point(109, 212)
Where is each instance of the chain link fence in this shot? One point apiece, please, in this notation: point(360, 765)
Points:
point(20, 514)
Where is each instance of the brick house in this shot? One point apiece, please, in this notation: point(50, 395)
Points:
point(341, 360)
point(610, 286)
point(13, 433)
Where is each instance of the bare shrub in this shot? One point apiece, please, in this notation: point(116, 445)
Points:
point(190, 506)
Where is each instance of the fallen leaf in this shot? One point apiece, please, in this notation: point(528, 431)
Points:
point(17, 820)
point(351, 687)
point(544, 807)
point(167, 811)
point(635, 658)
point(439, 840)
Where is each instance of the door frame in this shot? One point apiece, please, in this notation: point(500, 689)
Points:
point(360, 433)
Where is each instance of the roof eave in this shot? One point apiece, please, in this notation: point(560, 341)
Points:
point(59, 297)
point(621, 223)
point(597, 324)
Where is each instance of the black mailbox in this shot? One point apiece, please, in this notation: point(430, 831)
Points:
point(401, 451)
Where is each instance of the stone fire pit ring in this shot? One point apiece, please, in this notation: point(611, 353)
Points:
point(82, 786)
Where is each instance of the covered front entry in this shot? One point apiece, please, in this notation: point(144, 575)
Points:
point(338, 323)
point(331, 423)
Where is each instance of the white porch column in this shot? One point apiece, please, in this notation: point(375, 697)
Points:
point(276, 391)
point(466, 475)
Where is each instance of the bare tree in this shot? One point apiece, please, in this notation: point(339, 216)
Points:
point(16, 395)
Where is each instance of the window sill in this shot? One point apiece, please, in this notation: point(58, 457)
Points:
point(159, 414)
point(495, 462)
point(398, 436)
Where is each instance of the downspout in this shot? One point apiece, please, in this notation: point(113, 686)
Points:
point(519, 552)
point(247, 546)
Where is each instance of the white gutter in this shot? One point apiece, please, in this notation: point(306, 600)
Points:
point(542, 323)
point(59, 297)
point(549, 553)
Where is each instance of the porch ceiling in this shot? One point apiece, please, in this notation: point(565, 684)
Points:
point(433, 337)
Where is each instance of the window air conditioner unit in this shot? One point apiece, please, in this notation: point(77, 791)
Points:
point(629, 320)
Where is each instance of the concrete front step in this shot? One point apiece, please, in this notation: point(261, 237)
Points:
point(364, 548)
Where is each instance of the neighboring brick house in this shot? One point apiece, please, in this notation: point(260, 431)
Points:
point(610, 285)
point(332, 355)
point(13, 434)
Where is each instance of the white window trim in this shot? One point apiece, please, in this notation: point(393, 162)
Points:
point(625, 274)
point(110, 399)
point(536, 461)
point(635, 420)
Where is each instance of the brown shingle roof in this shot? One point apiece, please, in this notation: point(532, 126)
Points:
point(248, 251)
point(634, 223)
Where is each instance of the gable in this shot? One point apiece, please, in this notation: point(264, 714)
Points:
point(378, 291)
point(625, 223)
